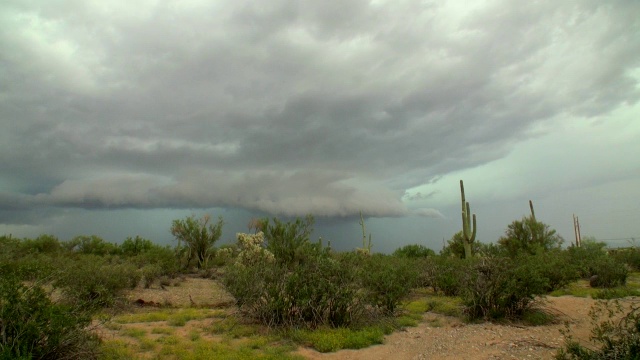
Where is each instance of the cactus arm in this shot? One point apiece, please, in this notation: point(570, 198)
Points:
point(473, 235)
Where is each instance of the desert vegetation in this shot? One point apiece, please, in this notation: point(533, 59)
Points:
point(289, 290)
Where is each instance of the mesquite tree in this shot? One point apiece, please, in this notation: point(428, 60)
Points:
point(199, 236)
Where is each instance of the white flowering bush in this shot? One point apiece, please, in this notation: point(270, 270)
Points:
point(252, 249)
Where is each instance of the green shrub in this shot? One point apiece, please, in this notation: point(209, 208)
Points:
point(615, 293)
point(91, 245)
point(163, 257)
point(94, 281)
point(414, 251)
point(615, 328)
point(501, 287)
point(288, 242)
point(584, 257)
point(33, 327)
point(631, 257)
point(556, 267)
point(528, 236)
point(136, 246)
point(319, 290)
point(150, 273)
point(607, 273)
point(444, 274)
point(43, 244)
point(330, 340)
point(29, 259)
point(388, 280)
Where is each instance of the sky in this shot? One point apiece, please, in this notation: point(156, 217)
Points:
point(117, 117)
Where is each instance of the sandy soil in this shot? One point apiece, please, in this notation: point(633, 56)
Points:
point(457, 340)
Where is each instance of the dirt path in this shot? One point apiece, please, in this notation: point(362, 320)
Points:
point(456, 340)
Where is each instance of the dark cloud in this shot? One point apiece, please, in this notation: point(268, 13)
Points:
point(285, 107)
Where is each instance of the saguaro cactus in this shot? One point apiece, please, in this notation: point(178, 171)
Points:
point(533, 214)
point(366, 248)
point(468, 228)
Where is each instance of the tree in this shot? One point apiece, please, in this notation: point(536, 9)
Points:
point(529, 236)
point(199, 236)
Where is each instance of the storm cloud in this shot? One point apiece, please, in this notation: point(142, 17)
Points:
point(289, 107)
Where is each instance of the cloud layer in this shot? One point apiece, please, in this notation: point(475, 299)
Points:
point(286, 107)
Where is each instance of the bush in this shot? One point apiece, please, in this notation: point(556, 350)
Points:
point(36, 267)
point(585, 256)
point(529, 236)
point(556, 267)
point(319, 290)
point(43, 244)
point(91, 245)
point(387, 280)
point(288, 242)
point(95, 282)
point(136, 246)
point(605, 272)
point(163, 257)
point(414, 251)
point(33, 327)
point(443, 274)
point(500, 287)
point(631, 257)
point(618, 334)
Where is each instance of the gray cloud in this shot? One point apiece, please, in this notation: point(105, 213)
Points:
point(430, 213)
point(287, 107)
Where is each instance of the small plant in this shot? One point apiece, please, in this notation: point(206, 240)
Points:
point(330, 340)
point(150, 273)
point(615, 293)
point(446, 305)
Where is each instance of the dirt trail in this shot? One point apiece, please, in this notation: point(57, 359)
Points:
point(457, 340)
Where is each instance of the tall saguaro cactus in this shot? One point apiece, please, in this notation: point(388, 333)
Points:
point(366, 248)
point(533, 214)
point(468, 228)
